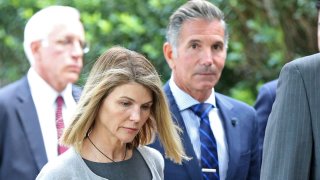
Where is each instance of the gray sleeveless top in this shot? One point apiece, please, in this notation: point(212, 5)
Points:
point(134, 168)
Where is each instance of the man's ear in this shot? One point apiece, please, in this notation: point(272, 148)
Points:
point(35, 47)
point(168, 54)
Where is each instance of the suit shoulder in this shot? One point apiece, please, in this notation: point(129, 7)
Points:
point(234, 102)
point(268, 91)
point(7, 92)
point(231, 100)
point(271, 84)
point(311, 62)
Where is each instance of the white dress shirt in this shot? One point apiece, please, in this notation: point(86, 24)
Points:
point(44, 98)
point(192, 122)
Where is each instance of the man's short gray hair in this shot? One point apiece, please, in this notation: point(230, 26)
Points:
point(42, 23)
point(193, 9)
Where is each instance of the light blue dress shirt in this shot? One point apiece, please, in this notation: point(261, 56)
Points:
point(192, 122)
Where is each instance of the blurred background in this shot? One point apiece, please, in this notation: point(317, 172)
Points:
point(264, 35)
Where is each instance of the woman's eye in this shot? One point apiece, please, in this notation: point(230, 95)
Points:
point(146, 107)
point(125, 104)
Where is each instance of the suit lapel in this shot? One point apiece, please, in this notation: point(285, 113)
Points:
point(192, 166)
point(30, 123)
point(232, 131)
point(76, 92)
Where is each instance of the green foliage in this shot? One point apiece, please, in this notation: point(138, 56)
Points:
point(263, 36)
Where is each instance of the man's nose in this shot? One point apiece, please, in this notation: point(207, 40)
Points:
point(77, 48)
point(207, 57)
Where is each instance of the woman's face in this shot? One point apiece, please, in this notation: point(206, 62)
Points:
point(123, 112)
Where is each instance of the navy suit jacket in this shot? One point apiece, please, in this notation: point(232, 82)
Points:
point(239, 122)
point(22, 151)
point(263, 106)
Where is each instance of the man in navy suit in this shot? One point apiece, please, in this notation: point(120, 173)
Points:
point(196, 50)
point(263, 106)
point(267, 96)
point(54, 42)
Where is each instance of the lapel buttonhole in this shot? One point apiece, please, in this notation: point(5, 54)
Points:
point(234, 121)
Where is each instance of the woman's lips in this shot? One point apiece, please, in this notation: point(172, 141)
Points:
point(131, 129)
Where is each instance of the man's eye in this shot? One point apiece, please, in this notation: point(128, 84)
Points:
point(65, 42)
point(217, 47)
point(194, 46)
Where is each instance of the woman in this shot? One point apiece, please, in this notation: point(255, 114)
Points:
point(121, 109)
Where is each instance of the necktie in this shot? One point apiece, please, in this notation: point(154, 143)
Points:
point(209, 155)
point(59, 123)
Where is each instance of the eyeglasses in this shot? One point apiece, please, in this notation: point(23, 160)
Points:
point(69, 43)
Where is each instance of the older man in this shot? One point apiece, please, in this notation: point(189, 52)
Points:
point(34, 110)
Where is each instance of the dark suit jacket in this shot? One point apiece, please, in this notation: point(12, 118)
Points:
point(292, 141)
point(241, 133)
point(22, 151)
point(263, 106)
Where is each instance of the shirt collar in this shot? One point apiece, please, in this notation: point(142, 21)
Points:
point(184, 100)
point(43, 90)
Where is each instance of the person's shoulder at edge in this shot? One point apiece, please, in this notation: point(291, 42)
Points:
point(270, 84)
point(7, 91)
point(305, 61)
point(296, 62)
point(266, 95)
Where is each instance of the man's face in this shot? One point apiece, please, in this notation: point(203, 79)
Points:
point(200, 57)
point(59, 57)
